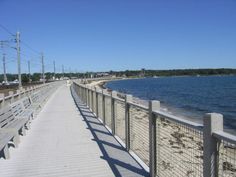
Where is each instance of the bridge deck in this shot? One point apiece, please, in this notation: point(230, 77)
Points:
point(67, 141)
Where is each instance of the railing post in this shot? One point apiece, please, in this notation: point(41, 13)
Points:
point(18, 92)
point(212, 122)
point(94, 102)
point(89, 100)
point(75, 88)
point(92, 106)
point(96, 98)
point(11, 93)
point(88, 95)
point(128, 98)
point(113, 94)
point(103, 107)
point(23, 92)
point(27, 92)
point(2, 97)
point(85, 94)
point(153, 105)
point(82, 93)
point(30, 91)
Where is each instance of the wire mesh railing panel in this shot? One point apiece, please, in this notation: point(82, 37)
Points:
point(226, 159)
point(108, 111)
point(139, 133)
point(119, 113)
point(179, 149)
point(100, 109)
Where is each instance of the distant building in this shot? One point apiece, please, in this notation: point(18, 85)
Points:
point(142, 72)
point(102, 74)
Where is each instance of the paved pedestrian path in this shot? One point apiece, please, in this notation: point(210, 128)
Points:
point(67, 141)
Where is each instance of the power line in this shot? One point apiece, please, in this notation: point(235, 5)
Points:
point(29, 47)
point(7, 30)
point(4, 44)
point(37, 60)
point(22, 42)
point(30, 56)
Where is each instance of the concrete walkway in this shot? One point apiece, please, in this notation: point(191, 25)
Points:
point(61, 143)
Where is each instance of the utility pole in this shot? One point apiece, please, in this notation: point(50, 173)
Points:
point(4, 68)
point(29, 71)
point(43, 77)
point(4, 61)
point(54, 67)
point(18, 58)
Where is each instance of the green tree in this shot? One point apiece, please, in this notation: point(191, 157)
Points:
point(36, 77)
point(25, 78)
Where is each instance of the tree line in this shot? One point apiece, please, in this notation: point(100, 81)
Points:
point(35, 77)
point(174, 72)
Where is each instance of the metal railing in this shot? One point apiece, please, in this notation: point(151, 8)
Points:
point(178, 147)
point(166, 144)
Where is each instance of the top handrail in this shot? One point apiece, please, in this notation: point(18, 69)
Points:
point(174, 118)
point(221, 135)
point(138, 105)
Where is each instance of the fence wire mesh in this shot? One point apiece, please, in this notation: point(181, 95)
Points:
point(119, 113)
point(139, 133)
point(179, 149)
point(108, 111)
point(226, 159)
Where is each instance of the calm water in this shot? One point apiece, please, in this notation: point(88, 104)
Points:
point(187, 96)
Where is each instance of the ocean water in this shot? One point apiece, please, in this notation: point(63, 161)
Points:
point(190, 97)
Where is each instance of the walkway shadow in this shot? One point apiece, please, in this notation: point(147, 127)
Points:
point(119, 160)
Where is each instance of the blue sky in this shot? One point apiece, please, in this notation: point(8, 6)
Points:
point(103, 35)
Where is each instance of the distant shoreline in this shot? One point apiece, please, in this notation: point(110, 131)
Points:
point(102, 83)
point(175, 72)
